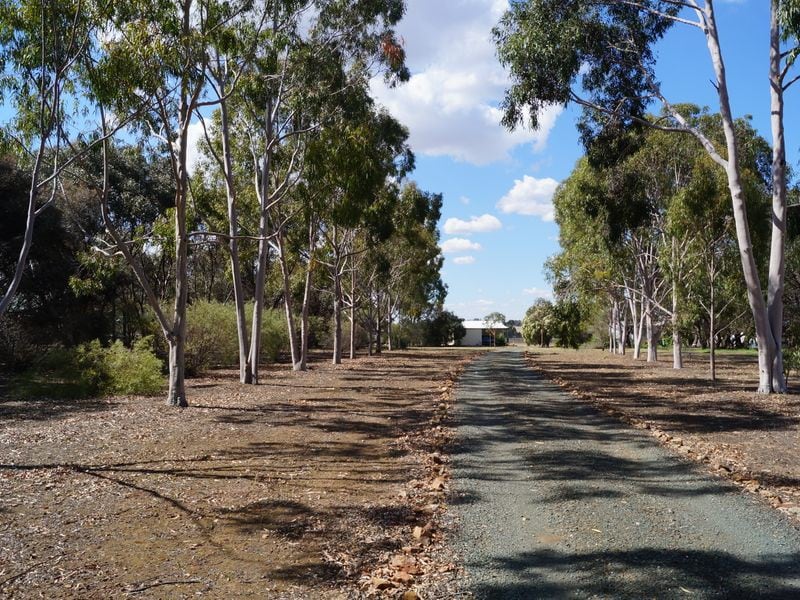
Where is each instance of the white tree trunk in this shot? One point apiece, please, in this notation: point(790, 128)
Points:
point(254, 357)
point(777, 258)
point(652, 350)
point(677, 355)
point(389, 311)
point(764, 336)
point(245, 373)
point(712, 336)
point(337, 313)
point(353, 312)
point(294, 348)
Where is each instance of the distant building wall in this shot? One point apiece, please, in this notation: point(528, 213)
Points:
point(474, 337)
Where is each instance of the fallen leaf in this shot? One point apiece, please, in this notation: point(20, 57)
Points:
point(403, 577)
point(381, 584)
point(437, 484)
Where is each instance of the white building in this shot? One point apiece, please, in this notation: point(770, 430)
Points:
point(479, 333)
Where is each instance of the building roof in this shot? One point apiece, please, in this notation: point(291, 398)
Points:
point(482, 325)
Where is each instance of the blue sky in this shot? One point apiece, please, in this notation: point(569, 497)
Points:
point(496, 227)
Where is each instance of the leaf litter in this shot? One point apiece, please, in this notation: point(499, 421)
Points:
point(311, 485)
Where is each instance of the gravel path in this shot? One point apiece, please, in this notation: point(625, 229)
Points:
point(556, 500)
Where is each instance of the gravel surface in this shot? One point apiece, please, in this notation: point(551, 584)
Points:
point(556, 500)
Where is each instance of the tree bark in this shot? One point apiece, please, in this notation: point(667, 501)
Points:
point(764, 336)
point(337, 311)
point(712, 336)
point(677, 355)
point(288, 303)
point(245, 373)
point(389, 321)
point(304, 324)
point(254, 357)
point(652, 350)
point(777, 258)
point(378, 326)
point(637, 321)
point(353, 313)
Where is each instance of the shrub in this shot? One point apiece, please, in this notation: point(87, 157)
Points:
point(211, 339)
point(274, 335)
point(791, 362)
point(135, 371)
point(92, 370)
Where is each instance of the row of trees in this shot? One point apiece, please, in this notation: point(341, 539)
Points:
point(600, 55)
point(650, 241)
point(299, 198)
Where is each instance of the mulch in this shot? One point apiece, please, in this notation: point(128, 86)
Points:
point(329, 483)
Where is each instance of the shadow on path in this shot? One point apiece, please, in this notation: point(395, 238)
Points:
point(557, 500)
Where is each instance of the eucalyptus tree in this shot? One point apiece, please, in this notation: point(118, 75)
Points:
point(602, 260)
point(313, 52)
point(356, 159)
point(599, 55)
point(537, 326)
point(158, 51)
point(704, 211)
point(231, 58)
point(43, 47)
point(492, 320)
point(413, 284)
point(401, 274)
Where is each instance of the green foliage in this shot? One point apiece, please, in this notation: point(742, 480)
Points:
point(556, 48)
point(91, 370)
point(791, 362)
point(274, 337)
point(134, 371)
point(443, 329)
point(211, 339)
point(537, 326)
point(408, 334)
point(567, 324)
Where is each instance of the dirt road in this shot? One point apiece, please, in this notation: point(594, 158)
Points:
point(556, 500)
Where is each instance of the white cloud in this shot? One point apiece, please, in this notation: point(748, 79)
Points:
point(530, 196)
point(481, 224)
point(450, 103)
point(459, 246)
point(538, 292)
point(464, 260)
point(464, 200)
point(485, 302)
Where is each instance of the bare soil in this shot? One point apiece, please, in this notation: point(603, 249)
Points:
point(327, 483)
point(752, 439)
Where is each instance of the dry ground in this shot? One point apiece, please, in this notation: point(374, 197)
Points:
point(751, 438)
point(326, 483)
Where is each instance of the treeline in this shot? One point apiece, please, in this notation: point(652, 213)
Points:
point(649, 249)
point(296, 228)
point(601, 56)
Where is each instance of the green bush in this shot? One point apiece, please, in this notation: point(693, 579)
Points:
point(136, 371)
point(212, 340)
point(91, 370)
point(791, 362)
point(274, 335)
